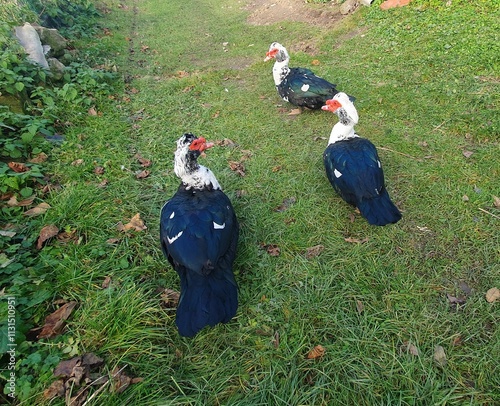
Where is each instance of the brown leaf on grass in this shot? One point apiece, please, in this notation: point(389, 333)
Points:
point(440, 356)
point(360, 307)
point(55, 322)
point(245, 155)
point(237, 167)
point(143, 161)
point(98, 170)
point(465, 198)
point(65, 237)
point(18, 167)
point(170, 298)
point(216, 114)
point(316, 352)
point(356, 240)
point(46, 233)
point(135, 224)
point(107, 281)
point(295, 112)
point(276, 339)
point(277, 168)
point(40, 158)
point(315, 62)
point(458, 301)
point(37, 210)
point(112, 241)
point(92, 111)
point(314, 251)
point(467, 154)
point(143, 174)
point(56, 389)
point(492, 295)
point(226, 142)
point(12, 202)
point(286, 204)
point(77, 162)
point(352, 217)
point(457, 341)
point(102, 184)
point(496, 202)
point(271, 249)
point(409, 348)
point(121, 381)
point(182, 74)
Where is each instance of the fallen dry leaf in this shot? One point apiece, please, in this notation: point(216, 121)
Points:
point(276, 339)
point(143, 174)
point(237, 167)
point(107, 281)
point(459, 301)
point(492, 295)
point(182, 74)
point(40, 158)
point(465, 198)
point(295, 112)
point(356, 240)
point(98, 170)
point(55, 322)
point(286, 204)
point(77, 162)
point(170, 298)
point(56, 389)
point(92, 111)
point(121, 381)
point(496, 202)
point(143, 161)
point(315, 62)
point(135, 224)
point(440, 356)
point(18, 167)
point(277, 168)
point(409, 348)
point(112, 241)
point(65, 237)
point(46, 233)
point(216, 114)
point(226, 142)
point(467, 154)
point(12, 202)
point(316, 352)
point(37, 210)
point(271, 249)
point(103, 183)
point(360, 307)
point(314, 251)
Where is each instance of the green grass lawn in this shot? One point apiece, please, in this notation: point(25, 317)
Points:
point(427, 87)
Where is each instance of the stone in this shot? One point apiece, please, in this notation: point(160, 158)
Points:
point(52, 38)
point(30, 41)
point(348, 6)
point(56, 68)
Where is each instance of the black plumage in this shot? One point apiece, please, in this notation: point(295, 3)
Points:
point(199, 236)
point(298, 86)
point(354, 169)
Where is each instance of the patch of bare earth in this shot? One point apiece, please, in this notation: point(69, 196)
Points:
point(266, 12)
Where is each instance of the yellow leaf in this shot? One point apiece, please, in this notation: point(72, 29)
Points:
point(492, 295)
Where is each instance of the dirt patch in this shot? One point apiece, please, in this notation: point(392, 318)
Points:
point(266, 12)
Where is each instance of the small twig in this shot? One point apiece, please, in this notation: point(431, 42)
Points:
point(440, 125)
point(400, 153)
point(96, 392)
point(491, 214)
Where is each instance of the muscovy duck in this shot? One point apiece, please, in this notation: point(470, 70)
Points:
point(298, 86)
point(353, 166)
point(199, 234)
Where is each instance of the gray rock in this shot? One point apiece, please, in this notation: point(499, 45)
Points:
point(52, 38)
point(348, 6)
point(29, 39)
point(56, 68)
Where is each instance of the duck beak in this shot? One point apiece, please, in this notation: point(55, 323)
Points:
point(201, 144)
point(271, 54)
